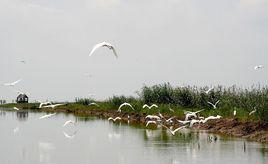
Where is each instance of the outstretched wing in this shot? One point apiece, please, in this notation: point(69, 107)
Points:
point(174, 131)
point(217, 102)
point(210, 103)
point(14, 83)
point(145, 106)
point(154, 106)
point(115, 53)
point(199, 111)
point(96, 47)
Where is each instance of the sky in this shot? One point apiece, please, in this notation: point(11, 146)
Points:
point(183, 42)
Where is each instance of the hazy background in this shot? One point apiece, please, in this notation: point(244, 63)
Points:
point(183, 42)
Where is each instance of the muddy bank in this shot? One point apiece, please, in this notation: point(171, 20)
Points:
point(255, 131)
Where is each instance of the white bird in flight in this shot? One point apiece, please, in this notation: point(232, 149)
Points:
point(151, 122)
point(114, 119)
point(103, 44)
point(170, 120)
point(161, 115)
point(258, 67)
point(183, 122)
point(125, 104)
point(210, 89)
point(210, 118)
point(53, 106)
point(152, 117)
point(15, 108)
point(149, 107)
point(252, 112)
point(93, 104)
point(47, 116)
point(214, 105)
point(13, 83)
point(192, 114)
point(44, 103)
point(193, 122)
point(69, 122)
point(173, 131)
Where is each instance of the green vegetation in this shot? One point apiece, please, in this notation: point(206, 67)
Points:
point(194, 98)
point(180, 99)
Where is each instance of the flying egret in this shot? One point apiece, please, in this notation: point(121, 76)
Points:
point(151, 122)
point(210, 118)
point(192, 114)
point(103, 44)
point(252, 112)
point(47, 116)
point(44, 103)
point(161, 116)
point(125, 104)
point(207, 91)
point(149, 107)
point(13, 83)
point(53, 106)
point(183, 122)
point(173, 131)
point(15, 108)
point(69, 122)
point(258, 67)
point(95, 104)
point(114, 119)
point(170, 120)
point(193, 122)
point(152, 117)
point(214, 105)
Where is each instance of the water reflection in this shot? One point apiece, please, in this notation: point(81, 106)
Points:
point(70, 135)
point(46, 151)
point(22, 115)
point(99, 141)
point(2, 112)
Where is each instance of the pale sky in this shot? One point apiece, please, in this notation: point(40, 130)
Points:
point(184, 42)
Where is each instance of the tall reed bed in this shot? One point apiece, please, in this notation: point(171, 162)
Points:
point(193, 97)
point(231, 98)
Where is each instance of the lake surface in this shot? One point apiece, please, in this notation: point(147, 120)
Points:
point(25, 139)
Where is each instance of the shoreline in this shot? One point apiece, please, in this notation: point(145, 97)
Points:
point(249, 130)
point(252, 130)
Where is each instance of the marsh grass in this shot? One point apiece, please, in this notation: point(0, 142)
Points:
point(194, 98)
point(180, 99)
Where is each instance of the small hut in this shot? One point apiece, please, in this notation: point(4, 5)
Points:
point(22, 98)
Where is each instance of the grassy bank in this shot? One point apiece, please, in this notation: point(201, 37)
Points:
point(183, 98)
point(193, 98)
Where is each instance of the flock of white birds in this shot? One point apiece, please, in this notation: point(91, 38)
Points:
point(191, 118)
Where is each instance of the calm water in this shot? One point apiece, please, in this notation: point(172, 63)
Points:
point(26, 140)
